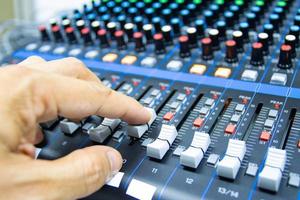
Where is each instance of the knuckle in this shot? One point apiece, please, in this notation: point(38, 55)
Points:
point(35, 58)
point(109, 93)
point(75, 62)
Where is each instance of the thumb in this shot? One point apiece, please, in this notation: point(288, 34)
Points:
point(75, 176)
point(85, 171)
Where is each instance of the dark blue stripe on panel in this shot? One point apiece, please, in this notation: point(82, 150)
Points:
point(178, 76)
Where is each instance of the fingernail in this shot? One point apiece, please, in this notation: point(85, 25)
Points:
point(147, 113)
point(114, 160)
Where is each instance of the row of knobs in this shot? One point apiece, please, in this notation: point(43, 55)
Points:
point(186, 42)
point(234, 46)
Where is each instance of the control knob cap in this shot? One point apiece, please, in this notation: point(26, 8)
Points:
point(184, 46)
point(285, 58)
point(139, 43)
point(231, 52)
point(159, 43)
point(119, 35)
point(257, 58)
point(102, 35)
point(207, 52)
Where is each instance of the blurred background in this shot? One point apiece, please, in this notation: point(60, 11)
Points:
point(35, 10)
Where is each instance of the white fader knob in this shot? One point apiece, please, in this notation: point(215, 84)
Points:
point(194, 154)
point(105, 129)
point(161, 145)
point(139, 130)
point(270, 177)
point(229, 166)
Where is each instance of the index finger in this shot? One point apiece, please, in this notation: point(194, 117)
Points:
point(74, 98)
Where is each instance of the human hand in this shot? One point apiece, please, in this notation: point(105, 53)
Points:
point(36, 91)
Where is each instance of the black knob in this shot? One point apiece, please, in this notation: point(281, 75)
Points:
point(214, 36)
point(106, 18)
point(236, 11)
point(251, 19)
point(244, 27)
point(229, 18)
point(102, 10)
point(185, 16)
point(57, 34)
point(77, 17)
point(275, 21)
point(44, 33)
point(121, 44)
point(91, 17)
point(174, 8)
point(95, 25)
point(279, 11)
point(140, 6)
point(149, 12)
point(264, 39)
point(125, 5)
point(192, 9)
point(231, 52)
point(175, 23)
point(209, 18)
point(122, 20)
point(167, 33)
point(221, 26)
point(269, 29)
point(159, 44)
point(138, 20)
point(86, 35)
point(257, 58)
point(132, 12)
point(291, 40)
point(297, 20)
point(117, 10)
point(66, 23)
point(184, 46)
point(102, 35)
point(192, 36)
point(156, 21)
point(215, 9)
point(207, 52)
point(295, 30)
point(71, 35)
point(148, 30)
point(166, 13)
point(53, 22)
point(200, 28)
point(157, 6)
point(96, 5)
point(80, 24)
point(110, 5)
point(285, 58)
point(256, 10)
point(237, 36)
point(129, 30)
point(112, 27)
point(139, 43)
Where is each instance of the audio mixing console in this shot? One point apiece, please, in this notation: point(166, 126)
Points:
point(221, 79)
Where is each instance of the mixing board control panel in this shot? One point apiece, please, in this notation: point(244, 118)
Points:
point(220, 78)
